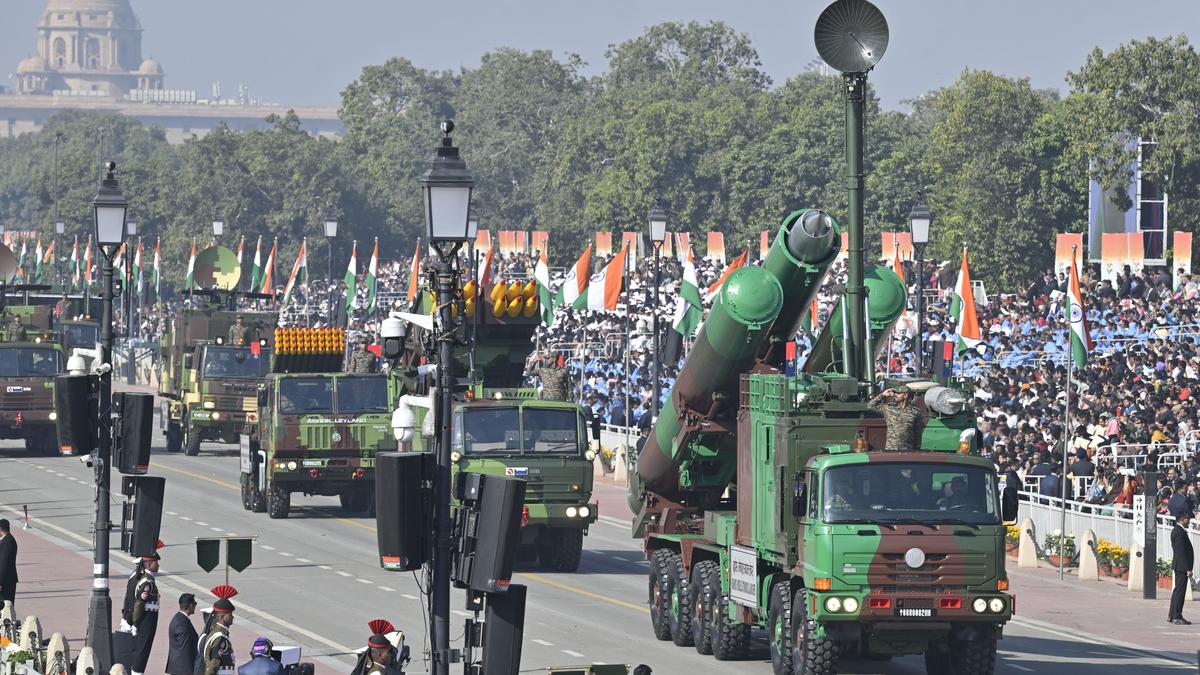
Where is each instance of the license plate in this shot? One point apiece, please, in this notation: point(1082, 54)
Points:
point(914, 612)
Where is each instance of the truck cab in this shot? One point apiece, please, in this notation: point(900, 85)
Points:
point(28, 367)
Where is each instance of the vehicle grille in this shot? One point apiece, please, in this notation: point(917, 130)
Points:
point(242, 403)
point(551, 492)
point(941, 571)
point(38, 399)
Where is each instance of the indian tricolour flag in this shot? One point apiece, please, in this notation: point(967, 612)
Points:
point(574, 290)
point(299, 271)
point(689, 310)
point(414, 274)
point(256, 269)
point(604, 288)
point(372, 269)
point(351, 279)
point(268, 274)
point(737, 262)
point(541, 274)
point(962, 309)
point(1081, 339)
point(190, 280)
point(75, 263)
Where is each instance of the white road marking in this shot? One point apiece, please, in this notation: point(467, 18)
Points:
point(364, 581)
point(172, 513)
point(325, 567)
point(1020, 667)
point(184, 518)
point(344, 574)
point(215, 529)
point(201, 523)
point(285, 554)
point(385, 588)
point(39, 466)
point(60, 475)
point(572, 653)
point(267, 548)
point(409, 596)
point(544, 643)
point(303, 560)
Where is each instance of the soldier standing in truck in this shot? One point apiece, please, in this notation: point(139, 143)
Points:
point(239, 333)
point(904, 420)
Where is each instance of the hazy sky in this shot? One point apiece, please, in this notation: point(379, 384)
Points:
point(305, 51)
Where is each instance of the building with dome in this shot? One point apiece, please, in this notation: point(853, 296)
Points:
point(89, 57)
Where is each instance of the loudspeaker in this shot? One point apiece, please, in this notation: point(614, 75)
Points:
point(131, 442)
point(490, 531)
point(75, 406)
point(503, 626)
point(402, 508)
point(147, 514)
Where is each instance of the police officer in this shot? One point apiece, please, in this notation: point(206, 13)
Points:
point(903, 418)
point(216, 650)
point(362, 360)
point(239, 333)
point(144, 613)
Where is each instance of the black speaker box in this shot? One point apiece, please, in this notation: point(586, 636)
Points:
point(131, 443)
point(75, 406)
point(503, 626)
point(147, 514)
point(402, 508)
point(489, 534)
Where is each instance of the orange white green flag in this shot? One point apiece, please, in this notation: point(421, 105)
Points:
point(962, 310)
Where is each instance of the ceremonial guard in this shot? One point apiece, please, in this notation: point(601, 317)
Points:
point(382, 656)
point(216, 650)
point(144, 611)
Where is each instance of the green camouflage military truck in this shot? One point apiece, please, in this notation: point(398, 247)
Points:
point(31, 355)
point(318, 428)
point(503, 429)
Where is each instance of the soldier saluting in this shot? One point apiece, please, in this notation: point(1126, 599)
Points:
point(553, 376)
point(144, 611)
point(903, 418)
point(239, 333)
point(215, 655)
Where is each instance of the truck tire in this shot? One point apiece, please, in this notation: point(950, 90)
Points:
point(258, 498)
point(681, 604)
point(191, 442)
point(937, 662)
point(279, 502)
point(660, 598)
point(810, 655)
point(568, 549)
point(247, 491)
point(344, 500)
point(730, 639)
point(174, 437)
point(974, 657)
point(706, 588)
point(779, 627)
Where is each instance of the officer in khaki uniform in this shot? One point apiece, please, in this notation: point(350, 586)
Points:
point(904, 419)
point(216, 650)
point(362, 360)
point(144, 619)
point(239, 333)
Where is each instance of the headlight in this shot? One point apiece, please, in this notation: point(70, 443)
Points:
point(572, 511)
point(850, 605)
point(455, 456)
point(584, 512)
point(996, 605)
point(216, 415)
point(291, 466)
point(53, 415)
point(980, 605)
point(210, 404)
point(589, 455)
point(833, 605)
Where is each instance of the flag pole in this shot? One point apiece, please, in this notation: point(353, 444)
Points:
point(887, 367)
point(1062, 478)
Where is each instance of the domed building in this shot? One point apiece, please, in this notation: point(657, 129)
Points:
point(88, 47)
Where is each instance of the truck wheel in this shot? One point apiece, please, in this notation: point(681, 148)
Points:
point(730, 639)
point(810, 655)
point(344, 500)
point(191, 441)
point(247, 495)
point(660, 596)
point(937, 662)
point(974, 657)
point(706, 586)
point(279, 502)
point(546, 545)
point(779, 627)
point(681, 603)
point(568, 549)
point(258, 499)
point(174, 437)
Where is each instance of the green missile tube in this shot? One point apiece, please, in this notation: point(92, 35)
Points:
point(886, 300)
point(725, 347)
point(807, 244)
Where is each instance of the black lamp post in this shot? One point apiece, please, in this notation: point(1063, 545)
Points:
point(472, 234)
point(918, 223)
point(128, 297)
point(446, 192)
point(218, 228)
point(657, 225)
point(331, 227)
point(109, 207)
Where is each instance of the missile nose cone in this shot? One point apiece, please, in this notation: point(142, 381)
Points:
point(812, 236)
point(752, 295)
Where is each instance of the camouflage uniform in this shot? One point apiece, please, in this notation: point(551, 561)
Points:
point(903, 423)
point(362, 361)
point(554, 382)
point(238, 335)
point(15, 329)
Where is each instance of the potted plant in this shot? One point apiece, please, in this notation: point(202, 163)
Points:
point(1012, 539)
point(1104, 553)
point(1120, 562)
point(1165, 573)
point(1059, 548)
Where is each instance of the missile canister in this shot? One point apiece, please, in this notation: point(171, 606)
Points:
point(725, 347)
point(807, 243)
point(886, 300)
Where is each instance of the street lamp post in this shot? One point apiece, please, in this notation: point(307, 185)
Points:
point(446, 192)
point(658, 234)
point(918, 222)
point(127, 295)
point(331, 227)
point(472, 234)
point(109, 208)
point(218, 228)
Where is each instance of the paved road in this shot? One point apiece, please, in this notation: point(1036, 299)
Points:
point(315, 579)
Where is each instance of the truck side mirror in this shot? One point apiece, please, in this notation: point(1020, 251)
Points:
point(595, 424)
point(187, 361)
point(799, 498)
point(1008, 505)
point(262, 399)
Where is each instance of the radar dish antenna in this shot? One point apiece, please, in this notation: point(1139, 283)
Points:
point(8, 264)
point(851, 36)
point(217, 268)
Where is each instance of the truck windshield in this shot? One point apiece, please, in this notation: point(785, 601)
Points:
point(29, 362)
point(498, 429)
point(362, 394)
point(82, 335)
point(234, 363)
point(299, 396)
point(924, 493)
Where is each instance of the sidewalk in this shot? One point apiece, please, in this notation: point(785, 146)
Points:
point(56, 584)
point(1103, 610)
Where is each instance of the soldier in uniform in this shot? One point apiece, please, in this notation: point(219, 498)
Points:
point(381, 656)
point(239, 333)
point(144, 613)
point(216, 650)
point(904, 420)
point(63, 308)
point(362, 360)
point(553, 376)
point(14, 328)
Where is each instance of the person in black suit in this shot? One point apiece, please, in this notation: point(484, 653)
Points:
point(8, 566)
point(183, 638)
point(1183, 559)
